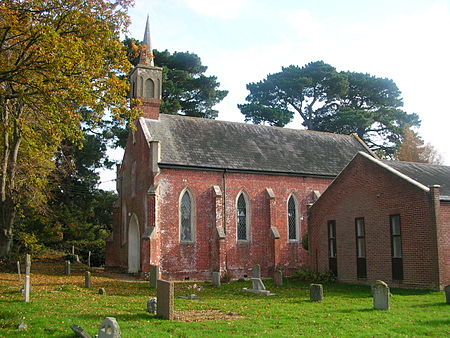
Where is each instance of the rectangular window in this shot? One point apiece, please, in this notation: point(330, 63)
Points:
point(332, 250)
point(360, 231)
point(396, 248)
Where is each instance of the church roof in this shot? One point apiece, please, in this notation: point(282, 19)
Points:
point(213, 144)
point(426, 174)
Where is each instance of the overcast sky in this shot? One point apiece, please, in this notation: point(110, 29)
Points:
point(241, 41)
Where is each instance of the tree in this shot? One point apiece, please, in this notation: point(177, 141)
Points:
point(310, 91)
point(55, 57)
point(371, 108)
point(326, 100)
point(186, 89)
point(414, 149)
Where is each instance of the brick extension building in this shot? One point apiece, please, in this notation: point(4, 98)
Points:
point(198, 195)
point(384, 220)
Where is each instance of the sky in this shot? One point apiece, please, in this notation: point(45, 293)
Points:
point(242, 41)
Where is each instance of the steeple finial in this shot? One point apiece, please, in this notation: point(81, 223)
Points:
point(146, 57)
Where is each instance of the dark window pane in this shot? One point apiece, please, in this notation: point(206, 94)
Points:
point(242, 218)
point(292, 218)
point(186, 217)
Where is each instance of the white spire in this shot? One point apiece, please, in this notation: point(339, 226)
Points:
point(147, 58)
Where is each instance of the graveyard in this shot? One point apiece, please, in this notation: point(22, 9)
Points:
point(58, 300)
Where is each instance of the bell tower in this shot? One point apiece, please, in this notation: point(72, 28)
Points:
point(146, 80)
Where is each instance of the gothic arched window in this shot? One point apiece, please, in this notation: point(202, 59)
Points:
point(242, 218)
point(293, 228)
point(149, 89)
point(186, 217)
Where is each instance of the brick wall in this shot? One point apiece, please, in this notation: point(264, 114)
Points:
point(367, 190)
point(196, 260)
point(445, 242)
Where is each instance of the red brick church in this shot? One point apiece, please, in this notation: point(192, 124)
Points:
point(199, 195)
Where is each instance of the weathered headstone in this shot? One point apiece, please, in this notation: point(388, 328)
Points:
point(165, 294)
point(28, 265)
point(278, 277)
point(381, 296)
point(22, 326)
point(152, 305)
point(18, 271)
point(79, 331)
point(447, 294)
point(102, 291)
point(316, 292)
point(89, 259)
point(216, 278)
point(257, 271)
point(27, 289)
point(73, 250)
point(154, 275)
point(87, 279)
point(109, 328)
point(258, 287)
point(77, 259)
point(67, 268)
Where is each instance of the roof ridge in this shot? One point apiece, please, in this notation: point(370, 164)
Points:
point(256, 125)
point(418, 163)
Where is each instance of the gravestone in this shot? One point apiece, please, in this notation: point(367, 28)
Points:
point(152, 305)
point(28, 265)
point(258, 287)
point(447, 294)
point(102, 291)
point(316, 292)
point(73, 250)
point(22, 326)
point(79, 331)
point(278, 277)
point(18, 270)
point(257, 271)
point(89, 259)
point(87, 279)
point(27, 289)
point(109, 328)
point(216, 278)
point(154, 275)
point(381, 296)
point(164, 296)
point(67, 269)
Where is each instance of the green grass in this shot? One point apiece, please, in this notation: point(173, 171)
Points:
point(346, 310)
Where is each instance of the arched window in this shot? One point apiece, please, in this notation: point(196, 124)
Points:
point(149, 89)
point(186, 217)
point(242, 218)
point(293, 228)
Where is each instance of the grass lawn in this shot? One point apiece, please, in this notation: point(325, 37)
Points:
point(57, 301)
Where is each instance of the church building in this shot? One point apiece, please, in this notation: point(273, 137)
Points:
point(198, 195)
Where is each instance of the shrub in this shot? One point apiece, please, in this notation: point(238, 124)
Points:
point(305, 274)
point(82, 248)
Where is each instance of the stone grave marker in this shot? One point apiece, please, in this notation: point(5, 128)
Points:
point(18, 271)
point(79, 331)
point(102, 291)
point(278, 277)
point(67, 268)
point(87, 279)
point(381, 296)
point(447, 293)
point(28, 265)
point(165, 295)
point(73, 250)
point(22, 326)
point(316, 292)
point(109, 328)
point(27, 289)
point(154, 275)
point(216, 278)
point(152, 305)
point(258, 287)
point(89, 259)
point(257, 271)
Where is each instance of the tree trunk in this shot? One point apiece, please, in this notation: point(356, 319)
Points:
point(8, 214)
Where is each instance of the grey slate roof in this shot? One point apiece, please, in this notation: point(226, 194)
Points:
point(427, 174)
point(196, 142)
